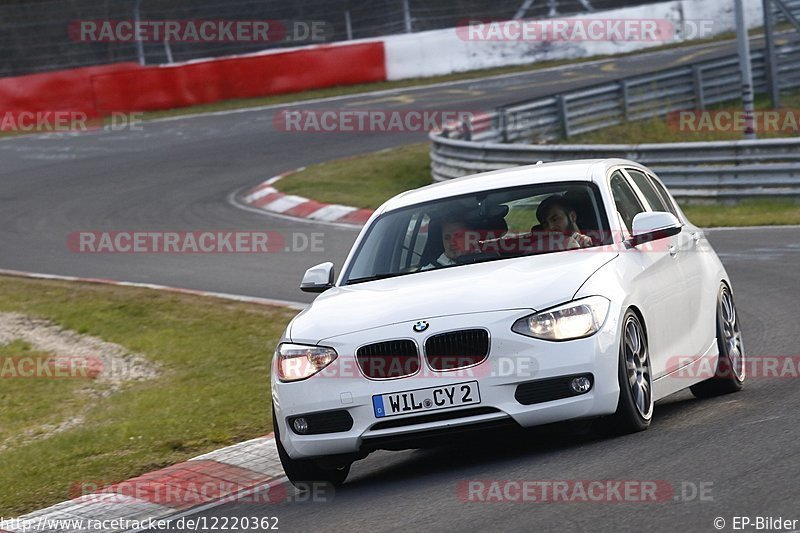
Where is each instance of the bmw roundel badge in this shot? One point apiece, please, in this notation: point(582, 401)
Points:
point(421, 326)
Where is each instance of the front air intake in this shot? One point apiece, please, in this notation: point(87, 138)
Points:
point(457, 349)
point(389, 359)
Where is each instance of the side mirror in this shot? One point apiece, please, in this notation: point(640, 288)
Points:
point(318, 278)
point(653, 226)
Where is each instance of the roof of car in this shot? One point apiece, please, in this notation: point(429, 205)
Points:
point(576, 170)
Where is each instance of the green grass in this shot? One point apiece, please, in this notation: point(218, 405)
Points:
point(661, 130)
point(213, 388)
point(751, 212)
point(363, 181)
point(31, 404)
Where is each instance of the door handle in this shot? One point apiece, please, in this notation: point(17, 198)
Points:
point(696, 236)
point(673, 250)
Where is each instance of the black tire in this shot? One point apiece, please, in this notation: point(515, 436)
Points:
point(635, 405)
point(303, 472)
point(730, 374)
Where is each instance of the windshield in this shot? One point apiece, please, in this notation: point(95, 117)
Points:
point(484, 226)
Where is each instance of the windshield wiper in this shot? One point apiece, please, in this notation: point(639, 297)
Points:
point(373, 278)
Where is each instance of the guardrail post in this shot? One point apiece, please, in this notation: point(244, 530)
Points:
point(623, 86)
point(502, 124)
point(563, 114)
point(466, 130)
point(699, 93)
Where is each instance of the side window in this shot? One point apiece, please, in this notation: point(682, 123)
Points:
point(627, 203)
point(414, 240)
point(648, 191)
point(521, 215)
point(666, 197)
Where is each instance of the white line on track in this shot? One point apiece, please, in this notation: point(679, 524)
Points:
point(221, 295)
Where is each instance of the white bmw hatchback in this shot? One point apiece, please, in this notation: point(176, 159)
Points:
point(519, 297)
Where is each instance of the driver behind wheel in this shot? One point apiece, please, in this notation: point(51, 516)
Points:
point(458, 239)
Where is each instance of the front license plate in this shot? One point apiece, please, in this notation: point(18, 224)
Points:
point(430, 399)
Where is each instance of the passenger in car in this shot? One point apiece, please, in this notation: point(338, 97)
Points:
point(557, 215)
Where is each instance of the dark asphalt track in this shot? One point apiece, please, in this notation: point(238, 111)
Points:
point(743, 447)
point(178, 175)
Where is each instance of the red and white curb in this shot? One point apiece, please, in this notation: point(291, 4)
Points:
point(230, 474)
point(267, 198)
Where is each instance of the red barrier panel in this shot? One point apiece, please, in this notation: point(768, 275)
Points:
point(129, 87)
point(239, 77)
point(61, 90)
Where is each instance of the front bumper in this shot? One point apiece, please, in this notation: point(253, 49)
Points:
point(513, 360)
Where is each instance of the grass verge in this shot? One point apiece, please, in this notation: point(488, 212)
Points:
point(369, 180)
point(365, 180)
point(661, 130)
point(212, 391)
point(32, 405)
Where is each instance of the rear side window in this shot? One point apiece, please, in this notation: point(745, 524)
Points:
point(665, 195)
point(625, 199)
point(648, 190)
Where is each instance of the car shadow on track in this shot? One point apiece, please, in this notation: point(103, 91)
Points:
point(496, 449)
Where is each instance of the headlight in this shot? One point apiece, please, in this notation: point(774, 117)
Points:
point(572, 320)
point(298, 361)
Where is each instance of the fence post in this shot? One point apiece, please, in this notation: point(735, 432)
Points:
point(746, 69)
point(773, 85)
point(526, 5)
point(563, 113)
point(137, 19)
point(407, 16)
point(168, 51)
point(348, 25)
point(699, 93)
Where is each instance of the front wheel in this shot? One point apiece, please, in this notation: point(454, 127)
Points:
point(730, 373)
point(303, 472)
point(635, 404)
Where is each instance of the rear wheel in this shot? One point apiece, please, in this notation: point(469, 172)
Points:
point(730, 372)
point(302, 472)
point(635, 404)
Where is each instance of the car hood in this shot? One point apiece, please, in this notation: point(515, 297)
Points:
point(534, 282)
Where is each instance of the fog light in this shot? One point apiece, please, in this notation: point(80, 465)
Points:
point(580, 385)
point(300, 425)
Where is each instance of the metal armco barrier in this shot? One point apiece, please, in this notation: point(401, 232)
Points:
point(515, 134)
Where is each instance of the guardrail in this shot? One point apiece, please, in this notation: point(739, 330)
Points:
point(723, 169)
